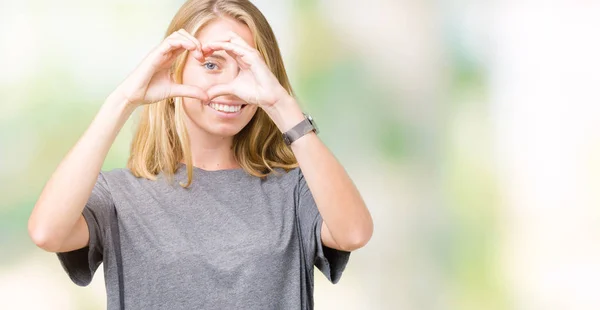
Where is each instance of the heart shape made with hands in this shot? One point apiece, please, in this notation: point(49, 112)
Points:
point(255, 83)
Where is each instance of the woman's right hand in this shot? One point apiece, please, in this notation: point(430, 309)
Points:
point(56, 223)
point(151, 81)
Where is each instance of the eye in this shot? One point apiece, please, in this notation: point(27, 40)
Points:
point(210, 66)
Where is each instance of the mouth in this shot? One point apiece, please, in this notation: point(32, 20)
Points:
point(228, 108)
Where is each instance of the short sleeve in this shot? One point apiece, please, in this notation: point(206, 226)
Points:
point(331, 262)
point(81, 264)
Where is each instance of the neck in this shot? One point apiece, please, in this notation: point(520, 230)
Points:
point(211, 152)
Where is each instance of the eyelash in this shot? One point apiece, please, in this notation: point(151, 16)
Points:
point(210, 63)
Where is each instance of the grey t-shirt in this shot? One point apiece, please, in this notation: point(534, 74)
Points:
point(229, 241)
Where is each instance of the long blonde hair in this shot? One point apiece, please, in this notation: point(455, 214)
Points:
point(162, 142)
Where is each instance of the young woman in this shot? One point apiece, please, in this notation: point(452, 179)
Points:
point(229, 197)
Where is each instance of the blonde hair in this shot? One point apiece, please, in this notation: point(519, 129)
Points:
point(161, 141)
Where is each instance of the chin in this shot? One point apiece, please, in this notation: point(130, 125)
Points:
point(223, 130)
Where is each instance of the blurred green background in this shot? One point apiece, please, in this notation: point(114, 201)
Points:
point(470, 127)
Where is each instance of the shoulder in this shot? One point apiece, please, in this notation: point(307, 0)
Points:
point(279, 180)
point(121, 178)
point(116, 174)
point(279, 175)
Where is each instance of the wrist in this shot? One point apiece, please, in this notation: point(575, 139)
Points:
point(119, 104)
point(285, 113)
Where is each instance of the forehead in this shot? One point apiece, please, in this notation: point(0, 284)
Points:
point(217, 30)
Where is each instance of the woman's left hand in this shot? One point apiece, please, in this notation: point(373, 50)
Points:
point(255, 82)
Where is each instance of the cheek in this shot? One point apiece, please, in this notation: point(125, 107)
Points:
point(192, 108)
point(195, 76)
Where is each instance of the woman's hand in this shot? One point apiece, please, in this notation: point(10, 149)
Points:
point(255, 83)
point(151, 81)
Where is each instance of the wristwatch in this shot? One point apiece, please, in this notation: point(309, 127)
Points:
point(304, 127)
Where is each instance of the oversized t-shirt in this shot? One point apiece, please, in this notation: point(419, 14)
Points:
point(229, 241)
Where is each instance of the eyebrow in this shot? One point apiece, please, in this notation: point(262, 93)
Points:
point(217, 56)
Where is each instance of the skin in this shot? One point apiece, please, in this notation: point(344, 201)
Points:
point(211, 136)
point(242, 77)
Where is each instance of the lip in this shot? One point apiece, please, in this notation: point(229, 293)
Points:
point(226, 115)
point(225, 102)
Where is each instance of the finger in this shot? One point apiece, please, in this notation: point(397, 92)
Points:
point(187, 35)
point(198, 56)
point(237, 50)
point(171, 44)
point(190, 37)
point(245, 58)
point(177, 35)
point(182, 36)
point(207, 51)
point(235, 38)
point(220, 90)
point(188, 91)
point(241, 63)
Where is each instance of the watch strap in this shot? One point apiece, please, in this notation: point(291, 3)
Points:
point(302, 128)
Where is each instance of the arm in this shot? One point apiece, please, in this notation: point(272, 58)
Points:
point(347, 223)
point(56, 223)
point(59, 207)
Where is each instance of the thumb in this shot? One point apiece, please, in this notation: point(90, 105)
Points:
point(188, 91)
point(220, 90)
